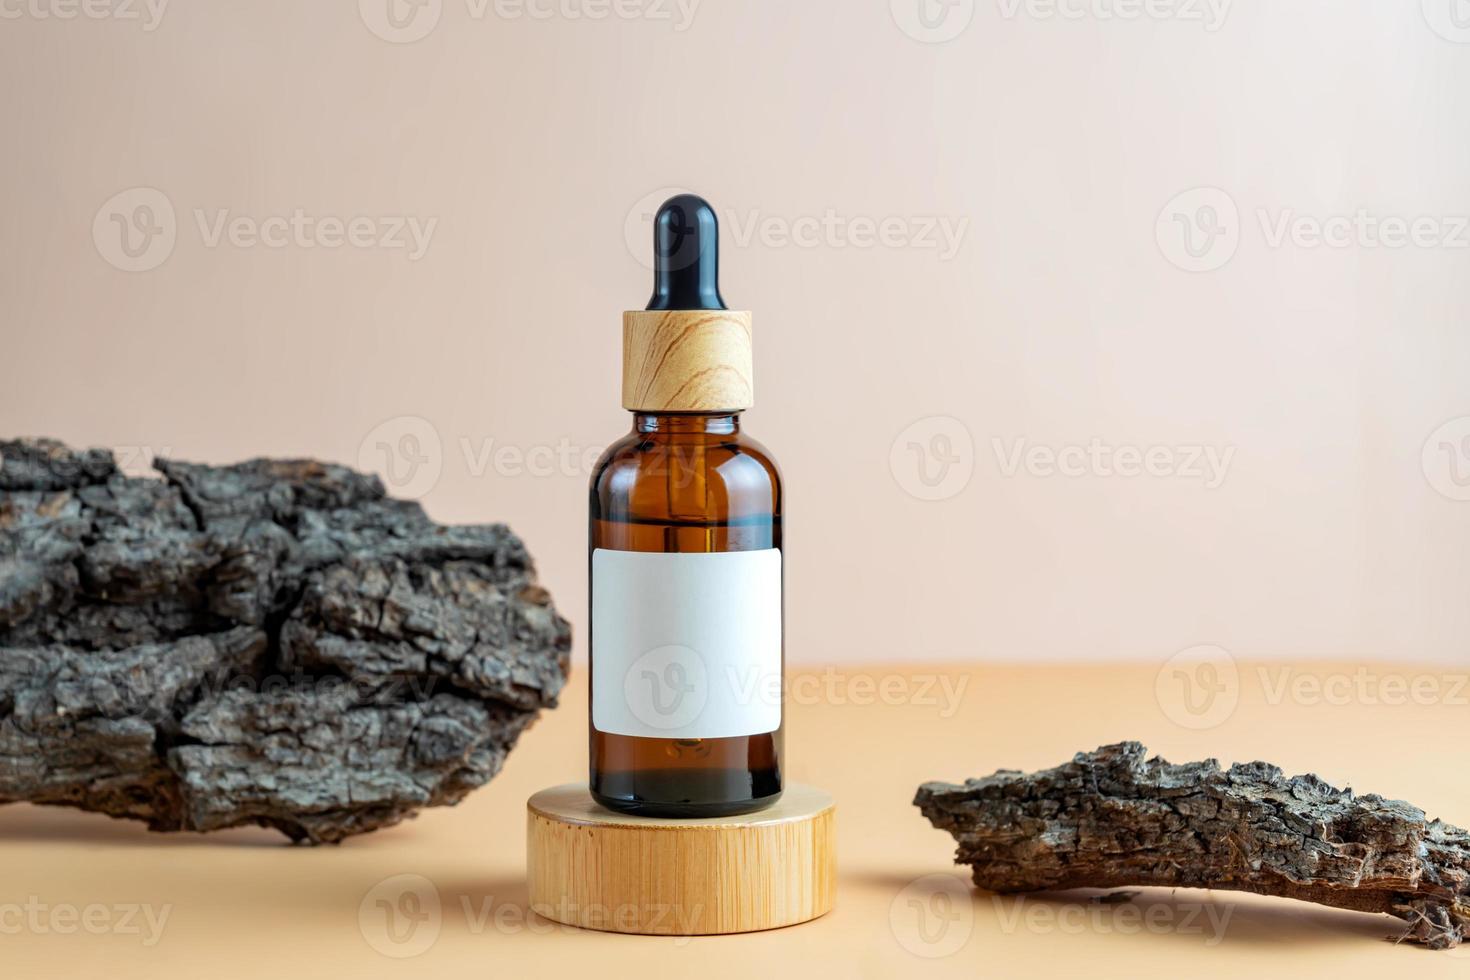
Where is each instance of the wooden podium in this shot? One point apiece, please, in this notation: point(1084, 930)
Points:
point(593, 868)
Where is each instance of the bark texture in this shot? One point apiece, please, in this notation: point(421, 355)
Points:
point(272, 643)
point(1115, 818)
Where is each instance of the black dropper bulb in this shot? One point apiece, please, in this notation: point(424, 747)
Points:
point(686, 256)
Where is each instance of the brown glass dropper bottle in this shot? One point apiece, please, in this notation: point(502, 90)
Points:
point(685, 557)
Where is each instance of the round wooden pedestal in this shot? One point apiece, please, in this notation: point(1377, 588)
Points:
point(593, 868)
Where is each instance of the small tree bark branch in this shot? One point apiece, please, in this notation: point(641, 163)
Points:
point(1114, 818)
point(273, 643)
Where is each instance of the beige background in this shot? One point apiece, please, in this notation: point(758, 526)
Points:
point(1051, 146)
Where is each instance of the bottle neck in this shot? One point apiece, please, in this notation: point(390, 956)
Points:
point(687, 423)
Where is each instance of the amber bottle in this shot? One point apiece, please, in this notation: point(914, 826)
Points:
point(685, 558)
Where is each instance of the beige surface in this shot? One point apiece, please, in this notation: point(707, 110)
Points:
point(950, 250)
point(587, 866)
point(243, 904)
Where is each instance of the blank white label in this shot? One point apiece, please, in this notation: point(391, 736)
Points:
point(686, 645)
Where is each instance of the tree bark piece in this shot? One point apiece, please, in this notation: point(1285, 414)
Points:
point(273, 643)
point(1114, 818)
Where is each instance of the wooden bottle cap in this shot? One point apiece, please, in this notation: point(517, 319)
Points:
point(687, 361)
point(593, 868)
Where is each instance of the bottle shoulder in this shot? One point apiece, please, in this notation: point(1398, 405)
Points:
point(729, 475)
point(640, 454)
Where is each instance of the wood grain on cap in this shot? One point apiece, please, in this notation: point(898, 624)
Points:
point(687, 361)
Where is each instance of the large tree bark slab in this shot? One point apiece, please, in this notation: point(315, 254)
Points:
point(272, 643)
point(1114, 818)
